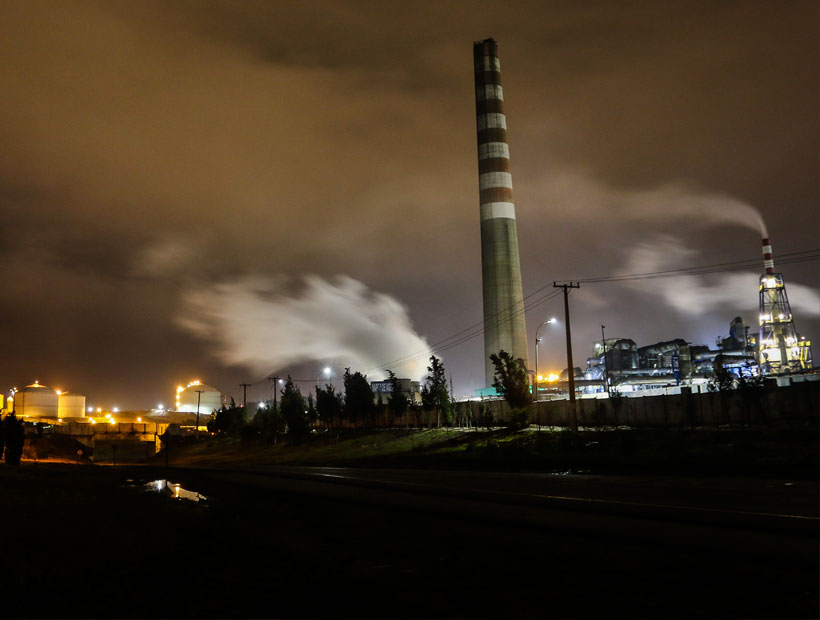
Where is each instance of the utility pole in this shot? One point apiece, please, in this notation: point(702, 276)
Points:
point(606, 365)
point(567, 286)
point(198, 396)
point(245, 387)
point(275, 384)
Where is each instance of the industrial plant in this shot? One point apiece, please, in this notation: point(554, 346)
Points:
point(777, 349)
point(616, 363)
point(105, 432)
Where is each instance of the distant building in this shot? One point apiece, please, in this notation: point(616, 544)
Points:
point(411, 389)
point(196, 393)
point(40, 401)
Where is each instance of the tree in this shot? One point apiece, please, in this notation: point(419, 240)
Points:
point(397, 401)
point(434, 394)
point(268, 423)
point(312, 414)
point(227, 420)
point(328, 405)
point(510, 379)
point(15, 437)
point(294, 411)
point(358, 404)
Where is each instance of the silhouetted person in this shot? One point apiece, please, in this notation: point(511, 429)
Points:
point(15, 437)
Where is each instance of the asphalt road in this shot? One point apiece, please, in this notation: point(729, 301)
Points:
point(539, 545)
point(83, 541)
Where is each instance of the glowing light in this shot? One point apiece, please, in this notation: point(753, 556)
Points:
point(90, 409)
point(59, 392)
point(59, 419)
point(160, 406)
point(116, 410)
point(552, 377)
point(112, 421)
point(540, 378)
point(327, 370)
point(93, 421)
point(99, 409)
point(139, 419)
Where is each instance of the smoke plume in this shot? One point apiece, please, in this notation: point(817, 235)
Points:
point(267, 324)
point(696, 294)
point(576, 193)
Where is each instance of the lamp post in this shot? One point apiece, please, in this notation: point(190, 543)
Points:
point(326, 373)
point(537, 340)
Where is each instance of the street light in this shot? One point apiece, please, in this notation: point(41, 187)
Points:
point(537, 340)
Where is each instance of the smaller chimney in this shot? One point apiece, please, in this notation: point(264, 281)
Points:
point(768, 261)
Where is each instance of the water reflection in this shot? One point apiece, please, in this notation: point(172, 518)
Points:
point(173, 489)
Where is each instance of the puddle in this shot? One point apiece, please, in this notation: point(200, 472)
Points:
point(173, 489)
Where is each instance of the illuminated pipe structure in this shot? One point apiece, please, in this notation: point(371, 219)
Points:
point(504, 326)
point(779, 349)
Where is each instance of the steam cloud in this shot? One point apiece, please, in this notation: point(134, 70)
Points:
point(574, 192)
point(263, 325)
point(695, 294)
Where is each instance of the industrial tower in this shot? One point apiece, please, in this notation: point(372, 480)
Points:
point(780, 348)
point(504, 326)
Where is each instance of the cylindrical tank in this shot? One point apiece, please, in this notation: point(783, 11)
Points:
point(36, 400)
point(209, 398)
point(70, 405)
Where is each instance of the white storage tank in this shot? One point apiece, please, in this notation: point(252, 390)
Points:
point(36, 400)
point(70, 405)
point(209, 398)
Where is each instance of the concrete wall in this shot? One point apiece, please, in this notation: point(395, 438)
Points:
point(798, 403)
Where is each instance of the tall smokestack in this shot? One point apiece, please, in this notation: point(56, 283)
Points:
point(504, 326)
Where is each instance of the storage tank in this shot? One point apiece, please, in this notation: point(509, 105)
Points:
point(70, 405)
point(209, 398)
point(36, 400)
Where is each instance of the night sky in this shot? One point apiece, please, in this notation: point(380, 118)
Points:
point(221, 190)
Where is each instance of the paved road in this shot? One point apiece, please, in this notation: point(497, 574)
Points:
point(511, 545)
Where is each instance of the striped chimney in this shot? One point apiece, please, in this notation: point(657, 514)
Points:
point(768, 260)
point(504, 326)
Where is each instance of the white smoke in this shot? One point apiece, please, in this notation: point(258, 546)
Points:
point(264, 325)
point(696, 294)
point(575, 193)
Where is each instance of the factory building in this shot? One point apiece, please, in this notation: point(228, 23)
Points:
point(197, 394)
point(623, 366)
point(504, 326)
point(383, 389)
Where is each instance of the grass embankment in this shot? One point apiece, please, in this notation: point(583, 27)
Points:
point(757, 452)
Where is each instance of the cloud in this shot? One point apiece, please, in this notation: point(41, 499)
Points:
point(265, 325)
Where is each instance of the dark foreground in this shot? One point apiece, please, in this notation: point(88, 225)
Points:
point(78, 542)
